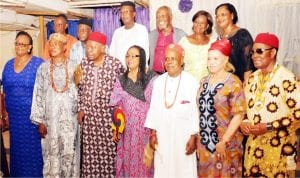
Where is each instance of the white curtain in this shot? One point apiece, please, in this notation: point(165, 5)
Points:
point(274, 16)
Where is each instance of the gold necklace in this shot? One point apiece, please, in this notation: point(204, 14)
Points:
point(262, 86)
point(166, 105)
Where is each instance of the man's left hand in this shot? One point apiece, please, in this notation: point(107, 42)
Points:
point(258, 129)
point(191, 145)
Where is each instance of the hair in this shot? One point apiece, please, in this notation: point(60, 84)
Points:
point(86, 21)
point(128, 3)
point(231, 9)
point(62, 16)
point(229, 67)
point(208, 18)
point(142, 66)
point(28, 36)
point(166, 8)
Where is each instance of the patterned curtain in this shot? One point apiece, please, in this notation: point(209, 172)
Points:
point(106, 20)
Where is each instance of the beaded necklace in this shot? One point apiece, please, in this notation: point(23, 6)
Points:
point(262, 85)
point(66, 87)
point(166, 105)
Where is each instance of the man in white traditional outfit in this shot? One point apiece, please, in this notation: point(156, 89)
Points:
point(131, 33)
point(173, 118)
point(54, 110)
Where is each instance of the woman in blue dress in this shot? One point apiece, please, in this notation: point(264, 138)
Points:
point(18, 82)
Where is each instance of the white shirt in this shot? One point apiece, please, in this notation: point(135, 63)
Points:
point(123, 39)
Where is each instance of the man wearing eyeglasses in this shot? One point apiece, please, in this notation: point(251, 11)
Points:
point(273, 114)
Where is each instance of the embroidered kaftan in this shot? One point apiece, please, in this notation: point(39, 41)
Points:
point(99, 150)
point(58, 111)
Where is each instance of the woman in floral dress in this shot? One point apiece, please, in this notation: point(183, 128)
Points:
point(222, 108)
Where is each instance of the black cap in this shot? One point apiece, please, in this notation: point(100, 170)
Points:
point(128, 3)
point(85, 21)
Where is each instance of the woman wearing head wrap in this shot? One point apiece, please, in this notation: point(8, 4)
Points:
point(222, 107)
point(18, 77)
point(54, 111)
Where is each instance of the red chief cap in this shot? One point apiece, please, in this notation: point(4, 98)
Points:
point(268, 39)
point(175, 47)
point(97, 37)
point(223, 45)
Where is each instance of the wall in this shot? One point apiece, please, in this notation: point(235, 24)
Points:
point(7, 50)
point(275, 16)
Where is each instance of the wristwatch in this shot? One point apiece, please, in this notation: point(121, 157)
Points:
point(269, 126)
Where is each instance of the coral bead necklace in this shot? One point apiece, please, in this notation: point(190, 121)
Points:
point(66, 86)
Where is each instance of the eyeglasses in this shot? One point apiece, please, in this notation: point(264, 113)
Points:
point(21, 44)
point(132, 56)
point(259, 50)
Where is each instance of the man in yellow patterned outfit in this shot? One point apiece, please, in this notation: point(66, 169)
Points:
point(273, 113)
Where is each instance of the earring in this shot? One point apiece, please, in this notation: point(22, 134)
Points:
point(28, 50)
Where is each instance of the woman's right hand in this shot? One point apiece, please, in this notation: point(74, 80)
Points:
point(116, 136)
point(221, 150)
point(42, 130)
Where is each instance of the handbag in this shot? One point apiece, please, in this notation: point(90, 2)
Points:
point(118, 119)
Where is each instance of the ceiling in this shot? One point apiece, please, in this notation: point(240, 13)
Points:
point(101, 3)
point(25, 14)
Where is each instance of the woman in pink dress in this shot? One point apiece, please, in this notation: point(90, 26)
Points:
point(132, 92)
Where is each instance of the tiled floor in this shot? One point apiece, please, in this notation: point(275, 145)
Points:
point(6, 145)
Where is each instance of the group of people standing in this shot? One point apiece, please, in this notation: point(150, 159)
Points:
point(190, 97)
